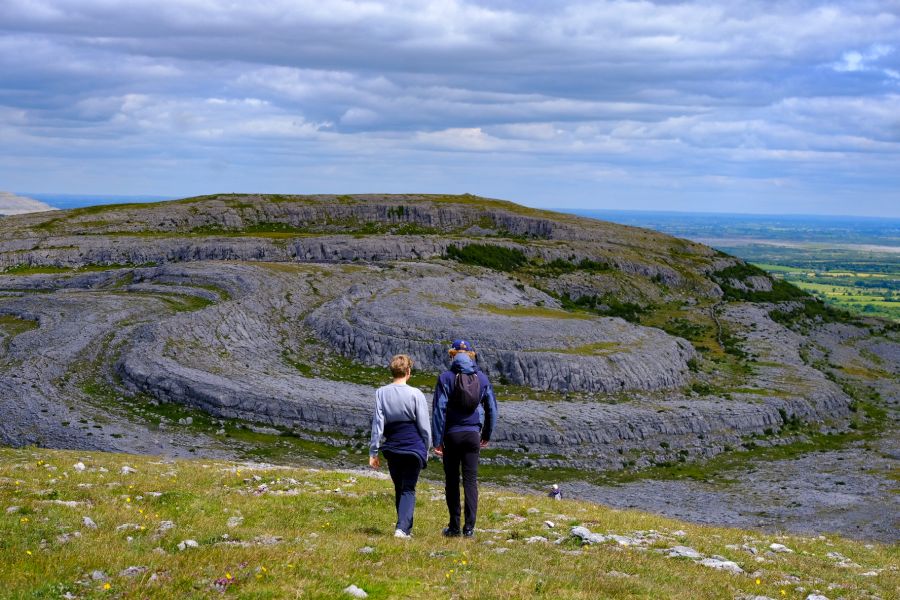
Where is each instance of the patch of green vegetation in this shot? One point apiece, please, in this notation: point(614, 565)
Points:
point(781, 290)
point(685, 328)
point(595, 349)
point(498, 258)
point(11, 326)
point(559, 266)
point(538, 312)
point(812, 310)
point(607, 305)
point(313, 360)
point(51, 270)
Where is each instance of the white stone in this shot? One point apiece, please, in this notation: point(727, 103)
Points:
point(535, 538)
point(683, 551)
point(816, 597)
point(125, 470)
point(184, 545)
point(722, 565)
point(587, 537)
point(779, 548)
point(88, 522)
point(234, 521)
point(79, 466)
point(550, 524)
point(352, 590)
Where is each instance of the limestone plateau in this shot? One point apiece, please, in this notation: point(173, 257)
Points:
point(610, 346)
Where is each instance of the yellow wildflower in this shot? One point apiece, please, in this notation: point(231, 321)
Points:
point(106, 586)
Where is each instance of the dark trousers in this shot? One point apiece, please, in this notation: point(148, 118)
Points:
point(461, 449)
point(404, 469)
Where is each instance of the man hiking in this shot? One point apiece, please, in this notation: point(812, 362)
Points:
point(464, 413)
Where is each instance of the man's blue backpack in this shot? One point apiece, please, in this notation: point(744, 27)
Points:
point(466, 394)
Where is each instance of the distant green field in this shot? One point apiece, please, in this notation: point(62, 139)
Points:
point(863, 282)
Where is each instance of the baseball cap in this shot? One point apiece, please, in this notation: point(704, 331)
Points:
point(462, 345)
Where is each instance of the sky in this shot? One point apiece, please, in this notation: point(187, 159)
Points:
point(733, 106)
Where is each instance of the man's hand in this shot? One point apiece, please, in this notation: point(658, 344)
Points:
point(484, 443)
point(374, 462)
point(439, 450)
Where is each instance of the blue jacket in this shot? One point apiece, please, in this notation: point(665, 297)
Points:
point(445, 418)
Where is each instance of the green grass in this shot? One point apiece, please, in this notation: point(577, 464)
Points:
point(87, 268)
point(319, 520)
point(539, 312)
point(12, 325)
point(498, 258)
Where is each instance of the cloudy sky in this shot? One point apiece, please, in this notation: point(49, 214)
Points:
point(737, 106)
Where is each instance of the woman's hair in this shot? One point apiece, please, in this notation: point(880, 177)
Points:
point(401, 364)
point(453, 353)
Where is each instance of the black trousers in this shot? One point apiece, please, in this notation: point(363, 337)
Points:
point(404, 470)
point(461, 449)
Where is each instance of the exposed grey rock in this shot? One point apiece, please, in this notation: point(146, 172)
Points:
point(779, 548)
point(234, 521)
point(586, 536)
point(722, 565)
point(132, 571)
point(185, 544)
point(684, 551)
point(88, 522)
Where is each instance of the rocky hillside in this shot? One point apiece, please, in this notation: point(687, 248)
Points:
point(611, 346)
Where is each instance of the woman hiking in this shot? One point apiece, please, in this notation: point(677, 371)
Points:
point(401, 415)
point(464, 413)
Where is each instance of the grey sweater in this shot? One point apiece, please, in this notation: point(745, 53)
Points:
point(399, 402)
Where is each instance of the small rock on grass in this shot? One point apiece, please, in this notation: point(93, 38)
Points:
point(816, 597)
point(722, 565)
point(356, 592)
point(586, 536)
point(88, 522)
point(132, 571)
point(79, 466)
point(13, 509)
point(535, 538)
point(235, 521)
point(684, 551)
point(779, 548)
point(366, 550)
point(184, 545)
point(98, 575)
point(126, 470)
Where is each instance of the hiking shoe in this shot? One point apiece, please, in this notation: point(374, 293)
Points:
point(468, 533)
point(399, 533)
point(448, 532)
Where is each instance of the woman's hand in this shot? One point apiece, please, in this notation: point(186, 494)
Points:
point(439, 450)
point(374, 462)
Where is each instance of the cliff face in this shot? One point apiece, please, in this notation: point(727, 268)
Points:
point(608, 345)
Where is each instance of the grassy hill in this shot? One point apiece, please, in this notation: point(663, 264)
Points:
point(279, 532)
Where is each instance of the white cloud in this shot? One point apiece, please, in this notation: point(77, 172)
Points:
point(599, 90)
